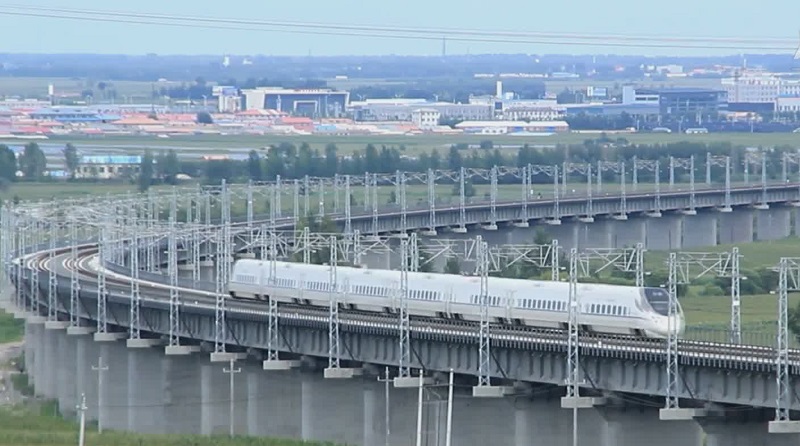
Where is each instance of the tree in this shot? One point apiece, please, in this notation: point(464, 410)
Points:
point(794, 321)
point(146, 171)
point(71, 159)
point(170, 167)
point(32, 162)
point(204, 118)
point(453, 266)
point(8, 164)
point(254, 169)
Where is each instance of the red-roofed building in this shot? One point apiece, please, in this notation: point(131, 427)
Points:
point(298, 122)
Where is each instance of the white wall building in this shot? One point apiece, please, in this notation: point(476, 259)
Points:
point(787, 105)
point(759, 88)
point(425, 118)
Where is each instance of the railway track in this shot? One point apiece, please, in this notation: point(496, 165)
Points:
point(86, 266)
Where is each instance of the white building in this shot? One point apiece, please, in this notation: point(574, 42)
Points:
point(759, 88)
point(512, 127)
point(788, 105)
point(425, 118)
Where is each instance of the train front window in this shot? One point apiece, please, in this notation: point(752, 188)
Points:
point(658, 299)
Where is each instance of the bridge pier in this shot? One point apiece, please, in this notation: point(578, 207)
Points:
point(67, 367)
point(773, 223)
point(274, 404)
point(627, 233)
point(699, 230)
point(181, 388)
point(34, 336)
point(663, 233)
point(637, 426)
point(113, 392)
point(599, 234)
point(736, 227)
point(145, 390)
point(85, 377)
point(215, 400)
point(50, 365)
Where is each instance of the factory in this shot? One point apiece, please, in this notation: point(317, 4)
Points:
point(313, 103)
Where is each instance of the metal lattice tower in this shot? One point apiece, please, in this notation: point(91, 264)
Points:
point(348, 224)
point(692, 203)
point(296, 204)
point(526, 189)
point(589, 204)
point(249, 198)
point(414, 254)
point(102, 295)
point(333, 321)
point(367, 193)
point(554, 261)
point(74, 284)
point(623, 193)
point(336, 182)
point(34, 284)
point(306, 197)
point(657, 169)
point(405, 322)
point(728, 182)
point(462, 204)
point(736, 316)
point(20, 251)
point(764, 179)
point(639, 269)
point(484, 353)
point(278, 192)
point(432, 201)
point(493, 197)
point(573, 364)
point(375, 205)
point(174, 296)
point(135, 297)
point(321, 199)
point(403, 203)
point(220, 334)
point(272, 316)
point(784, 398)
point(673, 379)
point(52, 288)
point(556, 198)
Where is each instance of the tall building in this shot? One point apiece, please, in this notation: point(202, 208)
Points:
point(322, 103)
point(698, 102)
point(756, 91)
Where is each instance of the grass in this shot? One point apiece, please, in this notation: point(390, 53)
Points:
point(136, 91)
point(764, 254)
point(11, 329)
point(415, 145)
point(34, 425)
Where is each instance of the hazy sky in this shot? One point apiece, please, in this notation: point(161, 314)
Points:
point(692, 18)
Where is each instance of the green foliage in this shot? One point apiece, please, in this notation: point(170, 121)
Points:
point(39, 426)
point(8, 164)
point(11, 329)
point(71, 159)
point(204, 118)
point(146, 172)
point(453, 266)
point(254, 168)
point(32, 162)
point(168, 167)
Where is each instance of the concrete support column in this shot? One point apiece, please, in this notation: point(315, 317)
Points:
point(145, 391)
point(773, 223)
point(216, 399)
point(663, 233)
point(114, 389)
point(181, 394)
point(699, 230)
point(599, 234)
point(629, 232)
point(543, 422)
point(736, 227)
point(50, 364)
point(256, 401)
point(635, 427)
point(66, 373)
point(33, 335)
point(40, 361)
point(85, 377)
point(373, 421)
point(282, 403)
point(307, 388)
point(567, 233)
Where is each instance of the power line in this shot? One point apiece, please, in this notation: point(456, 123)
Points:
point(407, 29)
point(310, 28)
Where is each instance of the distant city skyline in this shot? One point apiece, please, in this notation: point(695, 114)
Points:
point(686, 18)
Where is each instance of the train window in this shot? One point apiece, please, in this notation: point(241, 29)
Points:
point(658, 300)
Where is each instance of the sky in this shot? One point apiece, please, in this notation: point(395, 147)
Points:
point(692, 18)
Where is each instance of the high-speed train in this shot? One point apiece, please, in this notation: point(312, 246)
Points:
point(604, 308)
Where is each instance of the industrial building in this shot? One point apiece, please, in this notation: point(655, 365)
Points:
point(759, 92)
point(678, 101)
point(314, 103)
point(402, 109)
point(512, 127)
point(108, 167)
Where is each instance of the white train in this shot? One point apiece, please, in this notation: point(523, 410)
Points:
point(604, 308)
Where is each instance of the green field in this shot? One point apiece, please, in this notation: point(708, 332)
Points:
point(414, 145)
point(36, 87)
point(35, 425)
point(754, 255)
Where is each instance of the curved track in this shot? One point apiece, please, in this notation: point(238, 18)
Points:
point(86, 266)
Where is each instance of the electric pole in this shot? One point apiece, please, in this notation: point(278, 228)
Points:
point(100, 368)
point(232, 372)
point(386, 380)
point(82, 409)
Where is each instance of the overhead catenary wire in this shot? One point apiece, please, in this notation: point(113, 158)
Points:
point(436, 34)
